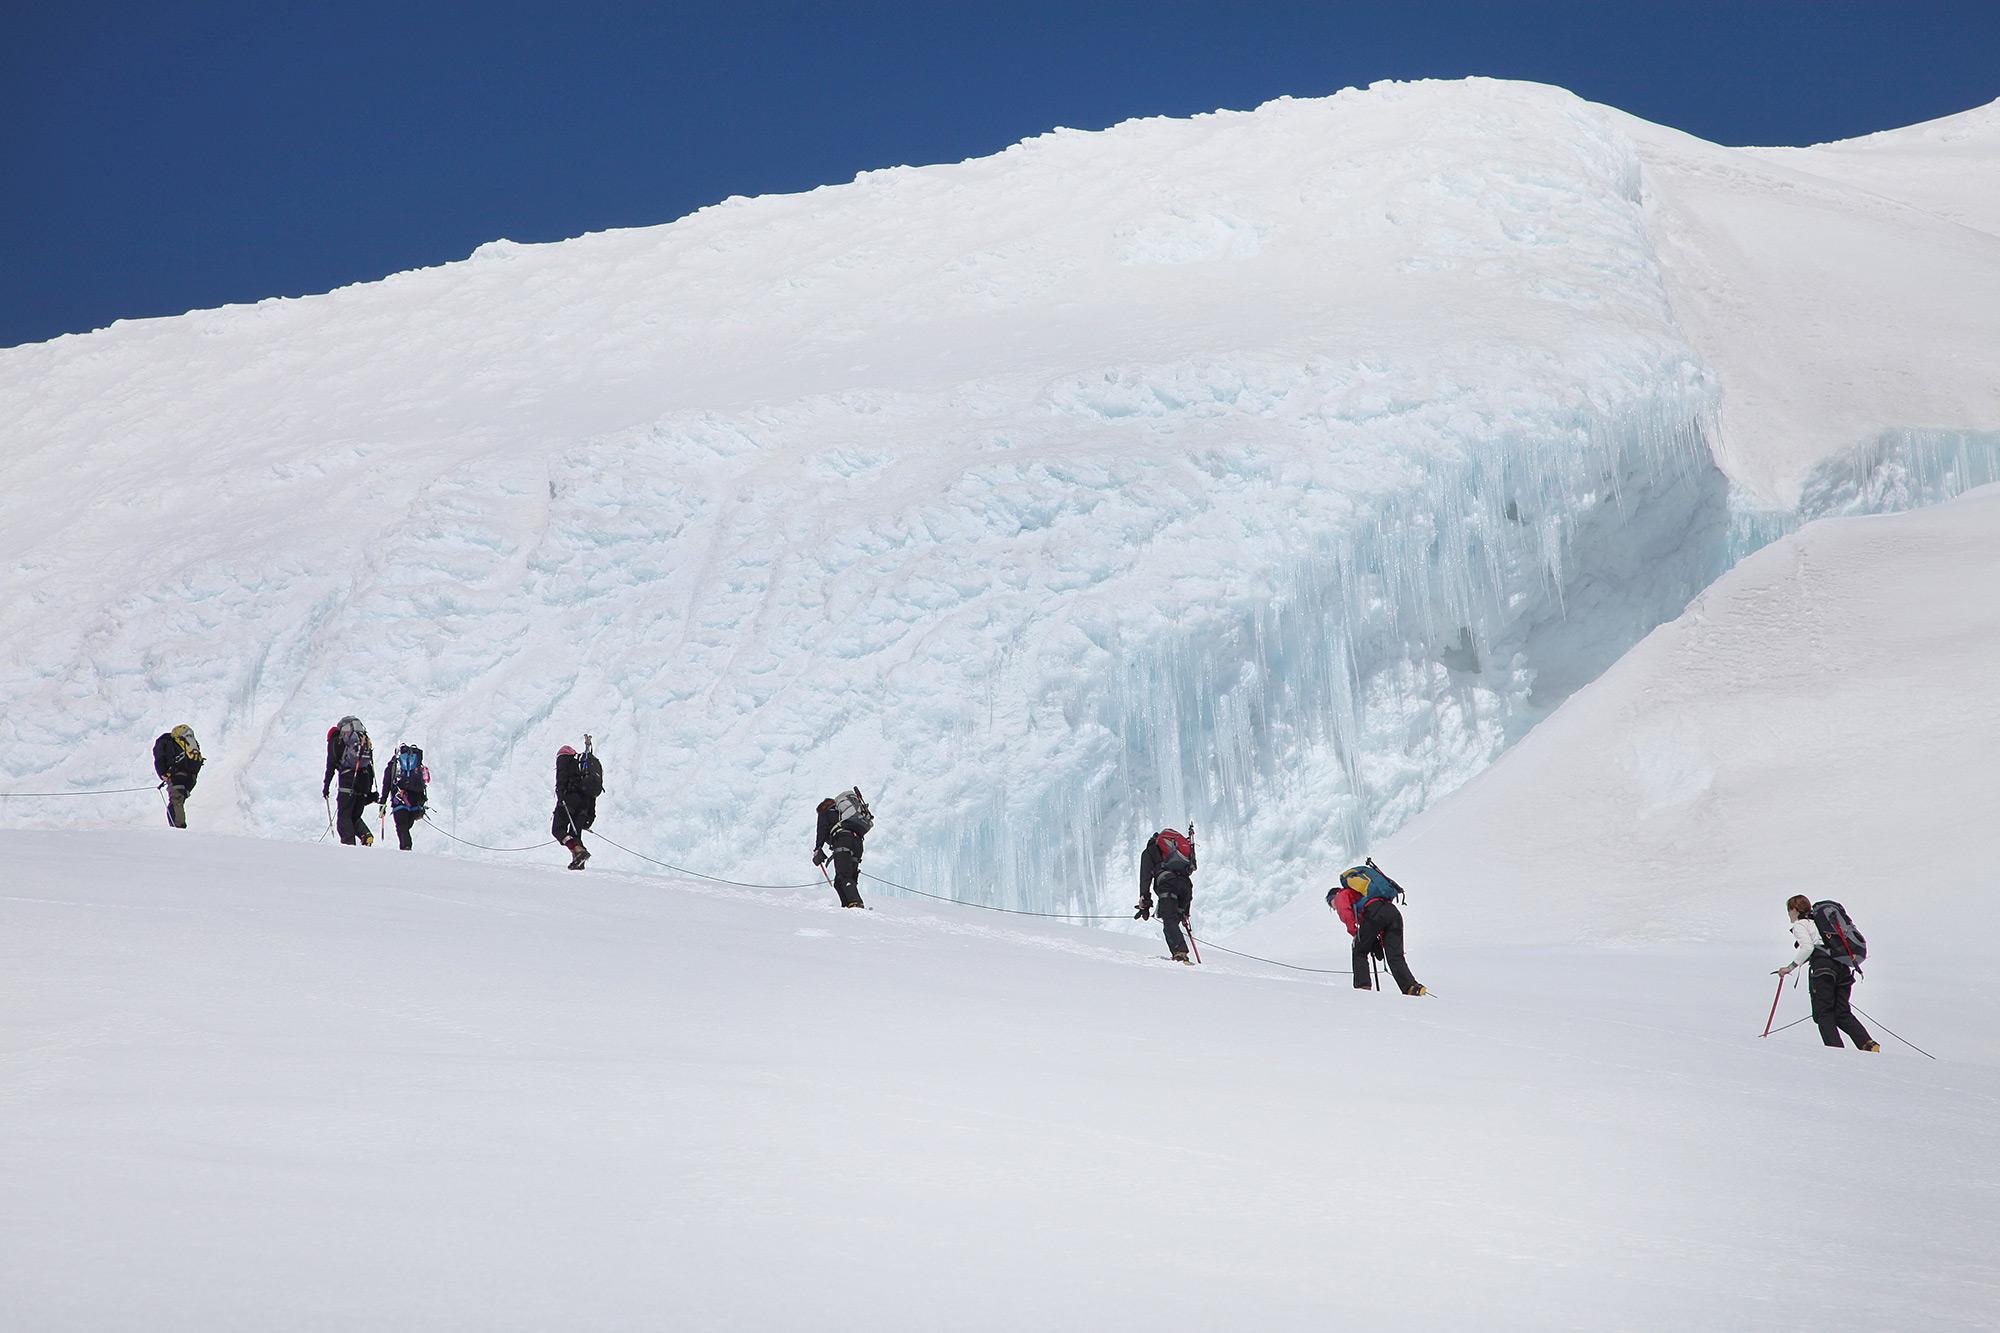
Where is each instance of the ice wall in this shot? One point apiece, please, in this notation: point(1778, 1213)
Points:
point(1897, 471)
point(1323, 699)
point(1274, 470)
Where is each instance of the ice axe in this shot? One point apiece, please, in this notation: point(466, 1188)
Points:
point(1780, 975)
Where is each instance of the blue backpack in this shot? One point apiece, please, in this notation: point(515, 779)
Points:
point(1368, 883)
point(406, 777)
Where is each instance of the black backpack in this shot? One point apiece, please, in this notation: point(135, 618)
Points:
point(589, 775)
point(1838, 933)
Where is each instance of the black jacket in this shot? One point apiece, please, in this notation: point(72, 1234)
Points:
point(573, 789)
point(830, 834)
point(1153, 879)
point(170, 764)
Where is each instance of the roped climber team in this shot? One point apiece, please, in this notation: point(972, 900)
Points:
point(1826, 940)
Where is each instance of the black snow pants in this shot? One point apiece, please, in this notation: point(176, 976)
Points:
point(1381, 923)
point(1831, 982)
point(847, 877)
point(572, 817)
point(405, 819)
point(347, 815)
point(1171, 908)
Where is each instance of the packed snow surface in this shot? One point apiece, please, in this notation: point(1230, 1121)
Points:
point(251, 1084)
point(1275, 470)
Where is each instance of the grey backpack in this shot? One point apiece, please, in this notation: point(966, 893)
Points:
point(356, 751)
point(852, 813)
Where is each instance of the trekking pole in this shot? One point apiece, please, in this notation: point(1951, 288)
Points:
point(329, 817)
point(1192, 944)
point(1374, 972)
point(1774, 1004)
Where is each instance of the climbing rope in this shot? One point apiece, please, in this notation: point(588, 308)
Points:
point(106, 791)
point(694, 874)
point(988, 907)
point(1296, 967)
point(1892, 1032)
point(480, 845)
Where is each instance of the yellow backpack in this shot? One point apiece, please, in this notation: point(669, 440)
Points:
point(184, 737)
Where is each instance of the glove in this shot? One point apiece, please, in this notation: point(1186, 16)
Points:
point(1786, 970)
point(326, 788)
point(1144, 912)
point(819, 857)
point(1380, 951)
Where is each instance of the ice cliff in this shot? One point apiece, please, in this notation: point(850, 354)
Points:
point(1274, 470)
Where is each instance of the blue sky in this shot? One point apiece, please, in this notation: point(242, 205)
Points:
point(163, 157)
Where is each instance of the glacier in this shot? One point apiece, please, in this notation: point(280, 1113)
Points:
point(1273, 470)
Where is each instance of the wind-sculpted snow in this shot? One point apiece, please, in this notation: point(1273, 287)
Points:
point(1274, 470)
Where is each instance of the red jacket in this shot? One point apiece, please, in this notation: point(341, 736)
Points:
point(1343, 902)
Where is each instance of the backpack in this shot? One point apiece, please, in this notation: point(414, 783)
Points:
point(851, 812)
point(406, 776)
point(1837, 932)
point(190, 748)
point(1176, 852)
point(589, 775)
point(356, 751)
point(1368, 884)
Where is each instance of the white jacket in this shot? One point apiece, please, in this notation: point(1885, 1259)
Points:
point(1806, 934)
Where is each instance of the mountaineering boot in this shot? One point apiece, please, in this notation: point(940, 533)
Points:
point(1417, 990)
point(1872, 1046)
point(856, 903)
point(1181, 957)
point(575, 854)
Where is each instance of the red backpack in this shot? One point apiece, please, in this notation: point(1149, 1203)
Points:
point(1176, 852)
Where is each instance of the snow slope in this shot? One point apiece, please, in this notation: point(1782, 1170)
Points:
point(1275, 469)
point(1848, 298)
point(250, 1084)
point(1822, 721)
